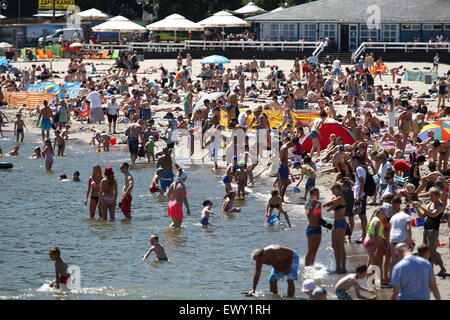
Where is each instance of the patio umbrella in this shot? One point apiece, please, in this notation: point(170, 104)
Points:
point(440, 128)
point(175, 22)
point(5, 45)
point(210, 96)
point(77, 45)
point(223, 19)
point(250, 9)
point(215, 59)
point(2, 17)
point(119, 24)
point(313, 59)
point(277, 9)
point(93, 14)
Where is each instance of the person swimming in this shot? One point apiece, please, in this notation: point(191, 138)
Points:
point(156, 248)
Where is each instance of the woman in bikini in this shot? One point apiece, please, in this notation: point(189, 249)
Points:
point(47, 154)
point(93, 190)
point(339, 206)
point(375, 242)
point(176, 197)
point(275, 202)
point(108, 194)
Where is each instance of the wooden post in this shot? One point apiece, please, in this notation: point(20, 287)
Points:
point(54, 8)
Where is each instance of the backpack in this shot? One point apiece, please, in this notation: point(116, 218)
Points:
point(369, 184)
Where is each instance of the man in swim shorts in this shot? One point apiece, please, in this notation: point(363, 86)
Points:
point(134, 132)
point(230, 174)
point(283, 170)
point(285, 262)
point(46, 124)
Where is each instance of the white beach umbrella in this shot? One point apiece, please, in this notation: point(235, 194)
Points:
point(250, 9)
point(2, 17)
point(119, 24)
point(277, 9)
point(93, 14)
point(5, 45)
point(175, 22)
point(77, 45)
point(223, 19)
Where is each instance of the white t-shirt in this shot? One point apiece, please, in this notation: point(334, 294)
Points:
point(436, 60)
point(360, 172)
point(336, 64)
point(398, 222)
point(242, 118)
point(94, 98)
point(112, 108)
point(382, 171)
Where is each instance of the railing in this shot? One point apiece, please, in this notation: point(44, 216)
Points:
point(209, 45)
point(406, 46)
point(319, 49)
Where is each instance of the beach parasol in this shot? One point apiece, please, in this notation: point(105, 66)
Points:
point(223, 19)
point(277, 9)
point(77, 45)
point(93, 14)
point(210, 96)
point(5, 45)
point(119, 24)
point(215, 59)
point(313, 59)
point(326, 130)
point(250, 9)
point(175, 22)
point(2, 17)
point(441, 131)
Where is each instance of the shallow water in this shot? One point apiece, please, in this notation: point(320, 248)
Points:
point(39, 212)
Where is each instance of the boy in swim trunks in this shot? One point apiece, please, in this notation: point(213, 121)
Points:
point(60, 268)
point(155, 181)
point(18, 127)
point(207, 205)
point(241, 179)
point(351, 280)
point(61, 143)
point(156, 248)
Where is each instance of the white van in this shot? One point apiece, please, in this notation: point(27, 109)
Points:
point(69, 34)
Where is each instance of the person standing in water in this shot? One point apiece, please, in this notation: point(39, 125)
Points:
point(93, 191)
point(108, 194)
point(284, 261)
point(176, 197)
point(48, 153)
point(125, 204)
point(45, 114)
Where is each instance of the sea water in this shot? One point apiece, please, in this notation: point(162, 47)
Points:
point(38, 212)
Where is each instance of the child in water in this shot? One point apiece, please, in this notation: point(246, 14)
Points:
point(60, 267)
point(155, 181)
point(76, 177)
point(61, 143)
point(351, 280)
point(157, 248)
point(228, 202)
point(37, 153)
point(275, 202)
point(207, 205)
point(14, 152)
point(241, 179)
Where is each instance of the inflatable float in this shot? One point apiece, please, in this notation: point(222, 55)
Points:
point(6, 165)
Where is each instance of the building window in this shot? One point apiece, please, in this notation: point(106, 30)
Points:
point(447, 27)
point(431, 27)
point(288, 32)
point(328, 31)
point(389, 32)
point(410, 27)
point(271, 31)
point(368, 34)
point(308, 32)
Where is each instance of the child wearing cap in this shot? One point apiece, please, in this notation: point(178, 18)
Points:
point(241, 179)
point(150, 149)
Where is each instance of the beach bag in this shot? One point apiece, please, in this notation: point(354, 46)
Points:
point(369, 185)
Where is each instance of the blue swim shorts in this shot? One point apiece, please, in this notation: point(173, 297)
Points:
point(133, 145)
point(310, 183)
point(313, 230)
point(313, 135)
point(277, 275)
point(340, 224)
point(46, 124)
point(165, 184)
point(343, 295)
point(284, 172)
point(204, 221)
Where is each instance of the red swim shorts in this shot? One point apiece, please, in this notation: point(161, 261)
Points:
point(175, 210)
point(154, 189)
point(125, 205)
